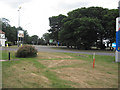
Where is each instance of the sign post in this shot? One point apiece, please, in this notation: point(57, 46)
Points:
point(93, 60)
point(21, 36)
point(117, 55)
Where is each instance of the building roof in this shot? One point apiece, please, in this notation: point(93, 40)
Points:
point(1, 32)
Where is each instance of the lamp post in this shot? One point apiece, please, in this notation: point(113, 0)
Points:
point(18, 25)
point(19, 16)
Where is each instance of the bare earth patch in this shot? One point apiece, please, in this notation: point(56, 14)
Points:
point(55, 63)
point(87, 78)
point(48, 55)
point(84, 75)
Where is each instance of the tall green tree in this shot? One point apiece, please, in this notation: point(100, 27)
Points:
point(11, 32)
point(80, 32)
point(92, 12)
point(46, 37)
point(55, 24)
point(27, 38)
point(80, 23)
point(109, 21)
point(35, 39)
point(41, 41)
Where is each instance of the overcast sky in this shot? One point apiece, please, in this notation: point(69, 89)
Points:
point(34, 14)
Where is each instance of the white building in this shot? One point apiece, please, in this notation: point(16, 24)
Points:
point(2, 38)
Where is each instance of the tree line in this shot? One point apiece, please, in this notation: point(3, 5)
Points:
point(80, 28)
point(11, 34)
point(84, 27)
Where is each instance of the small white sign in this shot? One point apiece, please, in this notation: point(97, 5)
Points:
point(20, 33)
point(2, 36)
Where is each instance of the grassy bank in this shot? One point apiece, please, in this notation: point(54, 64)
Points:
point(60, 70)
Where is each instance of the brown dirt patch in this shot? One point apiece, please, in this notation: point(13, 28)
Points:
point(55, 63)
point(87, 78)
point(47, 55)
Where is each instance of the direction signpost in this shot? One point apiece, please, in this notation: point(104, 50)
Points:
point(117, 56)
point(114, 45)
point(20, 36)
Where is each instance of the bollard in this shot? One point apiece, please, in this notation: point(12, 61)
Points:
point(9, 56)
point(93, 60)
point(7, 45)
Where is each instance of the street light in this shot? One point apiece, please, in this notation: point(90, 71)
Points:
point(18, 24)
point(19, 16)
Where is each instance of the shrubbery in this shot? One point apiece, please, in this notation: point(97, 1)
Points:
point(26, 51)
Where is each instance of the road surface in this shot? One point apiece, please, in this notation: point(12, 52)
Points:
point(55, 49)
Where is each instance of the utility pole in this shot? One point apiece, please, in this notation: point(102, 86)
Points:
point(18, 25)
point(19, 16)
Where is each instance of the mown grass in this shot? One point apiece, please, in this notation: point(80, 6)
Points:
point(55, 81)
point(27, 72)
point(72, 49)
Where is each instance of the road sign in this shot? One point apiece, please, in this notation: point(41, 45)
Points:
point(20, 33)
point(117, 54)
point(118, 34)
point(51, 40)
point(114, 45)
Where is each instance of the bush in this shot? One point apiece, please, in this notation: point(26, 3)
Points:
point(26, 51)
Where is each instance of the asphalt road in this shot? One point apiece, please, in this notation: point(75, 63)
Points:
point(54, 49)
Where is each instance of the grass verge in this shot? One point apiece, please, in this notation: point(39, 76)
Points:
point(59, 70)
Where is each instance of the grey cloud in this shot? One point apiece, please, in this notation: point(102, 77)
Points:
point(15, 3)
